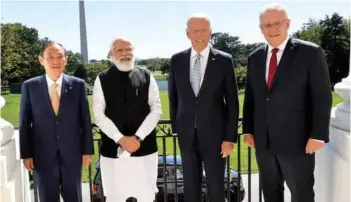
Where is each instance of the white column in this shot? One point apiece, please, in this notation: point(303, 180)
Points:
point(14, 181)
point(332, 171)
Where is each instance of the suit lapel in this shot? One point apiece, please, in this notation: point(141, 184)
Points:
point(283, 65)
point(66, 86)
point(186, 70)
point(262, 68)
point(209, 67)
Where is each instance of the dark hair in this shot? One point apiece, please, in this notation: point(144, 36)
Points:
point(50, 43)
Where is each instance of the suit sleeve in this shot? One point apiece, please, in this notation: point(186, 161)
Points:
point(86, 126)
point(173, 95)
point(232, 103)
point(249, 104)
point(321, 96)
point(25, 125)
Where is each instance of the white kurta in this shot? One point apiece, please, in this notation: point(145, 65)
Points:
point(128, 176)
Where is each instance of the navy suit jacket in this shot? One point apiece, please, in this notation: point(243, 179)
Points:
point(43, 134)
point(298, 104)
point(214, 111)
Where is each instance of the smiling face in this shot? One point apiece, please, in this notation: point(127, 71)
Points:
point(54, 60)
point(199, 32)
point(274, 26)
point(122, 53)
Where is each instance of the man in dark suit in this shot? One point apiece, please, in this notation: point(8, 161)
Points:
point(287, 108)
point(203, 101)
point(55, 129)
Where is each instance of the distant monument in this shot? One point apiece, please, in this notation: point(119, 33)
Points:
point(83, 33)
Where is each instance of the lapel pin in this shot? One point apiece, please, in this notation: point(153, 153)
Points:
point(213, 58)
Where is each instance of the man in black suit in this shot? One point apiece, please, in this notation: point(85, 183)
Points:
point(287, 108)
point(203, 109)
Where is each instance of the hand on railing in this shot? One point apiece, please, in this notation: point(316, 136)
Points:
point(29, 164)
point(249, 140)
point(86, 159)
point(227, 148)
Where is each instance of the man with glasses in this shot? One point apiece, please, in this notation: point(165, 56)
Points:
point(286, 109)
point(203, 100)
point(127, 108)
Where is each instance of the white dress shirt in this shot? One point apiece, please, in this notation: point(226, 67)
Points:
point(281, 48)
point(50, 82)
point(203, 60)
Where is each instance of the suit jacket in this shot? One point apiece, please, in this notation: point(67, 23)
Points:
point(214, 110)
point(298, 104)
point(43, 134)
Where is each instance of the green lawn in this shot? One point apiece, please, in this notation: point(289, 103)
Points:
point(11, 113)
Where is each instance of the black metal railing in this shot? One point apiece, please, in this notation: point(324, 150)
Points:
point(169, 183)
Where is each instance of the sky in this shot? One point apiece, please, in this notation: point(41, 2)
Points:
point(156, 28)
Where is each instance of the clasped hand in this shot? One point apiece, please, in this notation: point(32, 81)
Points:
point(131, 144)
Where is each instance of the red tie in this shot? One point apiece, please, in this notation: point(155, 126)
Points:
point(272, 67)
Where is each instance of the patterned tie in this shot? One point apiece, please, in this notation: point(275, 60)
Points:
point(55, 99)
point(273, 63)
point(195, 77)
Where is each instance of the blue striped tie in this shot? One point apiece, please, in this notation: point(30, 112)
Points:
point(195, 77)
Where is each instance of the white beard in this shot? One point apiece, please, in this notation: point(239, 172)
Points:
point(123, 66)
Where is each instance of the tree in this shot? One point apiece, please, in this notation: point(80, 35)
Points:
point(335, 41)
point(310, 31)
point(20, 47)
point(74, 61)
point(80, 72)
point(333, 35)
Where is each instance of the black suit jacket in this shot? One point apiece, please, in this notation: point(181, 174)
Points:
point(214, 110)
point(42, 133)
point(297, 106)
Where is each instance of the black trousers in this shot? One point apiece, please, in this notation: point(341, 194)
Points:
point(297, 172)
point(193, 163)
point(59, 177)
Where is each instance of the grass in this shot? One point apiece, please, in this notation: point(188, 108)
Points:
point(160, 77)
point(11, 113)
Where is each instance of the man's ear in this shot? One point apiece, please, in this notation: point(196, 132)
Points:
point(41, 60)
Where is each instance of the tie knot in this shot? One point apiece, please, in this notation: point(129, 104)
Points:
point(54, 85)
point(198, 56)
point(275, 50)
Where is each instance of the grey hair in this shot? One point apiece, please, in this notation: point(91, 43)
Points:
point(198, 15)
point(120, 38)
point(273, 7)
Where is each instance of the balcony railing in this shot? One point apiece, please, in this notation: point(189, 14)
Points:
point(170, 182)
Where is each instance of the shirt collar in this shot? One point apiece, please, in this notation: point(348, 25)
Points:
point(50, 81)
point(281, 47)
point(204, 53)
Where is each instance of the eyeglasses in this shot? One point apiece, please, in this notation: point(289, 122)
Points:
point(273, 24)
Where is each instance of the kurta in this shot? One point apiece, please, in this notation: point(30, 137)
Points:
point(128, 176)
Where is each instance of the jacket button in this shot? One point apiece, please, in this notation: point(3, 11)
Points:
point(267, 99)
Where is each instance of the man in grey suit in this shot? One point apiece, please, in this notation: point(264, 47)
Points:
point(287, 108)
point(203, 109)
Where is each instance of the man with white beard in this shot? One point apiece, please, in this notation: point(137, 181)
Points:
point(127, 108)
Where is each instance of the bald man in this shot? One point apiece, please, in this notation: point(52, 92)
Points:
point(287, 108)
point(203, 101)
point(127, 108)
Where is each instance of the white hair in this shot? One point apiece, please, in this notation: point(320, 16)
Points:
point(198, 16)
point(273, 7)
point(120, 38)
